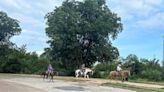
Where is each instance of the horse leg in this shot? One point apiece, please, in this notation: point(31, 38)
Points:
point(76, 75)
point(122, 78)
point(47, 76)
point(84, 75)
point(87, 76)
point(51, 79)
point(43, 77)
point(111, 77)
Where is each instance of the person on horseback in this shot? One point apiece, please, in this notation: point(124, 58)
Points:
point(119, 69)
point(83, 68)
point(50, 69)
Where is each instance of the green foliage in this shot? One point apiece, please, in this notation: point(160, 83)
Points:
point(151, 74)
point(79, 33)
point(8, 28)
point(143, 68)
point(133, 63)
point(17, 60)
point(103, 70)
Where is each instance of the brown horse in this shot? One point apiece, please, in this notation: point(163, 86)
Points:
point(123, 74)
point(51, 75)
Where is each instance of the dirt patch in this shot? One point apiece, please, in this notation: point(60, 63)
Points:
point(15, 87)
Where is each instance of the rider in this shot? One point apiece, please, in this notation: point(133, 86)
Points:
point(119, 69)
point(83, 68)
point(50, 69)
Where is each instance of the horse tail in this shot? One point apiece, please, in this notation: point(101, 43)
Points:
point(110, 75)
point(75, 73)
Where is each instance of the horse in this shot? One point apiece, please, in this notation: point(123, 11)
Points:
point(86, 73)
point(123, 74)
point(51, 75)
point(44, 74)
point(79, 73)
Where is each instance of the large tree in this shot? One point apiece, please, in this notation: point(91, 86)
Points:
point(80, 33)
point(8, 28)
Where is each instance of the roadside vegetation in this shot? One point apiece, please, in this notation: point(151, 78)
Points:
point(130, 87)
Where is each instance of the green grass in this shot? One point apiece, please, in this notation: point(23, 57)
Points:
point(147, 82)
point(135, 88)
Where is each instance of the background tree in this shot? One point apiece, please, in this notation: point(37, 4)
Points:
point(133, 63)
point(151, 70)
point(80, 33)
point(15, 59)
point(8, 28)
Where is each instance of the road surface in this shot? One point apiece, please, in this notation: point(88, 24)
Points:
point(40, 85)
point(6, 86)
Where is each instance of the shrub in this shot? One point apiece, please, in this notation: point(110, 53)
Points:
point(152, 75)
point(103, 70)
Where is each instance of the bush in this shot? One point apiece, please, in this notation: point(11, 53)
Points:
point(103, 70)
point(152, 75)
point(12, 66)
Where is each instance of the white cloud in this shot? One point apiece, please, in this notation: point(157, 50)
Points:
point(31, 37)
point(31, 16)
point(154, 2)
point(10, 3)
point(135, 8)
point(29, 12)
point(28, 20)
point(155, 21)
point(39, 52)
point(138, 15)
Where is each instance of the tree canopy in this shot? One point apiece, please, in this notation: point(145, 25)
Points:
point(80, 32)
point(12, 58)
point(8, 28)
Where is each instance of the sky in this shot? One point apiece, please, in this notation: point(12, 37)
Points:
point(143, 24)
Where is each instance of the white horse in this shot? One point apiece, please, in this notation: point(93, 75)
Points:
point(85, 73)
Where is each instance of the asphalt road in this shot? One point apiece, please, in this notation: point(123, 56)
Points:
point(6, 86)
point(40, 85)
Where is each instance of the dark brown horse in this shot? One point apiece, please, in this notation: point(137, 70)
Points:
point(44, 75)
point(51, 75)
point(123, 74)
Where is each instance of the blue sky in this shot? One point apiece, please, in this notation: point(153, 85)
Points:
point(143, 22)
